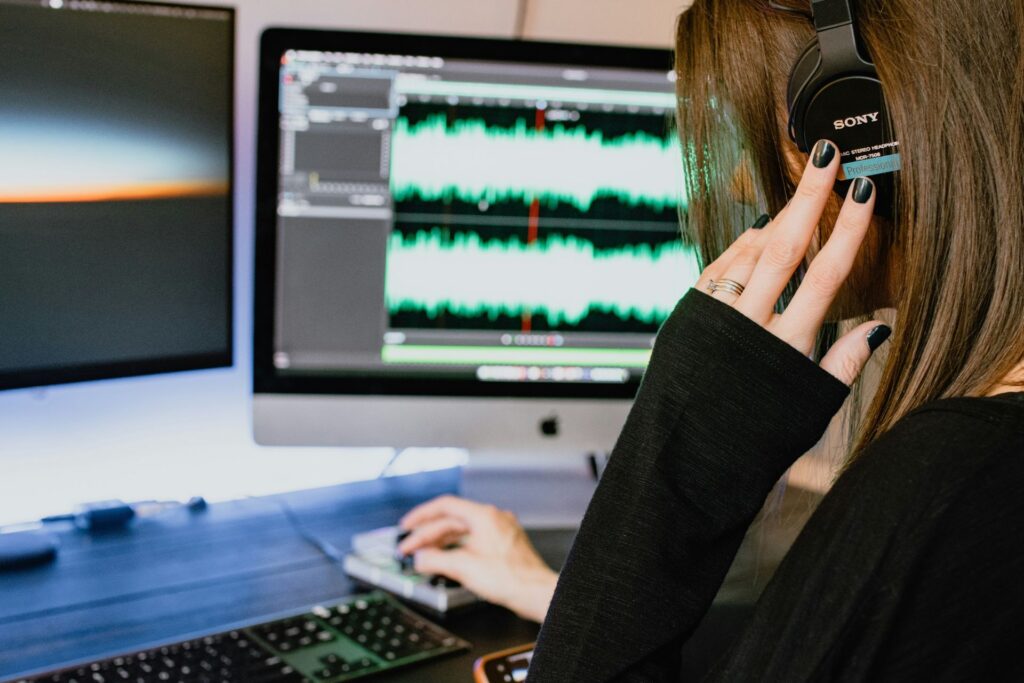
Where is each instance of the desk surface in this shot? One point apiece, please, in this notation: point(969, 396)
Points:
point(180, 574)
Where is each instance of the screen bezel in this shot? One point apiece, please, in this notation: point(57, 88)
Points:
point(87, 372)
point(273, 44)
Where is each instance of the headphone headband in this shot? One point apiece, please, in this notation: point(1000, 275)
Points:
point(837, 38)
point(831, 13)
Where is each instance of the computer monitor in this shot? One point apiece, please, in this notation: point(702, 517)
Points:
point(116, 126)
point(461, 242)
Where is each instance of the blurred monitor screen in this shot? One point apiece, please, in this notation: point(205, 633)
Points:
point(115, 189)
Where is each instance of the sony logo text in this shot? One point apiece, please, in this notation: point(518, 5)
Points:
point(856, 121)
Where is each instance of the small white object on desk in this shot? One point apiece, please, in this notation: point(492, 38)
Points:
point(374, 561)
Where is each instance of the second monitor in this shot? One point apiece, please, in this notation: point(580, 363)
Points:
point(461, 242)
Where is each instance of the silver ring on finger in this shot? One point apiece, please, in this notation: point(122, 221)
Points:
point(727, 286)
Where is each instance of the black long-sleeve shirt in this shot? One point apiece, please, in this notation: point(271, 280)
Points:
point(912, 568)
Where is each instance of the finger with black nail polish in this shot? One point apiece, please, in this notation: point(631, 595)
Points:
point(823, 154)
point(863, 189)
point(878, 336)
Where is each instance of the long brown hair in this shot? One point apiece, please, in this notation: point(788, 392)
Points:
point(953, 76)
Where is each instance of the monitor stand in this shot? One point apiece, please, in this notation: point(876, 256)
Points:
point(545, 490)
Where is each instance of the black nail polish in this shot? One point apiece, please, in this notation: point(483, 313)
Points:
point(877, 336)
point(824, 153)
point(761, 222)
point(862, 190)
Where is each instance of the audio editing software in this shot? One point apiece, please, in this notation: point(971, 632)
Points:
point(455, 218)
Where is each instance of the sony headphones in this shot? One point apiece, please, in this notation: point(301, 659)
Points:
point(834, 93)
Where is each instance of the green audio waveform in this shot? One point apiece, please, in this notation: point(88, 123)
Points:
point(561, 278)
point(468, 160)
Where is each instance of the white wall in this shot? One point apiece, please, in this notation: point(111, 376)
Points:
point(648, 23)
point(189, 434)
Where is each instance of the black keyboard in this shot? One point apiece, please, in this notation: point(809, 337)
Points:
point(361, 636)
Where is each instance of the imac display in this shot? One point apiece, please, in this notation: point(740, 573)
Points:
point(464, 222)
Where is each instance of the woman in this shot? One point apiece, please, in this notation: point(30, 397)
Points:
point(911, 567)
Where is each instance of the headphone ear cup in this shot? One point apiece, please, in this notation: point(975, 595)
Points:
point(844, 103)
point(807, 66)
point(851, 112)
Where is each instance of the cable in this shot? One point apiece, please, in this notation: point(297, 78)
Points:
point(391, 462)
point(519, 31)
point(113, 514)
point(328, 549)
point(325, 547)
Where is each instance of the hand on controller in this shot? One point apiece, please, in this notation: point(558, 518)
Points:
point(493, 556)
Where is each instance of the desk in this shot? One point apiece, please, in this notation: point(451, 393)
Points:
point(180, 574)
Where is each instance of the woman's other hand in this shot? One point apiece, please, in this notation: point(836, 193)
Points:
point(493, 556)
point(762, 262)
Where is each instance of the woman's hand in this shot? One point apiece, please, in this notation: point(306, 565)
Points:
point(494, 558)
point(763, 261)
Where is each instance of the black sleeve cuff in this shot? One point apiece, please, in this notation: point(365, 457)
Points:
point(739, 385)
point(724, 409)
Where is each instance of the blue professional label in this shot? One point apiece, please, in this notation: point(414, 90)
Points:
point(876, 166)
